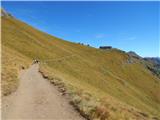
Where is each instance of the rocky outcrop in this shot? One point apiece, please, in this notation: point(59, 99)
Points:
point(135, 55)
point(4, 13)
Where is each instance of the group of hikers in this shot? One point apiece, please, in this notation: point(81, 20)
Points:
point(35, 61)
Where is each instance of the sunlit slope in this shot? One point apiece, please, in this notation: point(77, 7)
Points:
point(12, 63)
point(110, 72)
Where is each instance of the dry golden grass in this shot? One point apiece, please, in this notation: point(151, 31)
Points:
point(95, 107)
point(12, 62)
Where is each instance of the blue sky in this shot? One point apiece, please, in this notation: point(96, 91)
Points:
point(130, 26)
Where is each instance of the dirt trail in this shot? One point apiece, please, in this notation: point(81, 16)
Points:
point(36, 99)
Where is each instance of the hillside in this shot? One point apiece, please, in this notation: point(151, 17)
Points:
point(122, 82)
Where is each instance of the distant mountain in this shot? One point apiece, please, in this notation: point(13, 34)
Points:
point(151, 63)
point(154, 67)
point(154, 60)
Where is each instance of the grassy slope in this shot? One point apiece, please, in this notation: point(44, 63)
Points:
point(102, 73)
point(12, 62)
